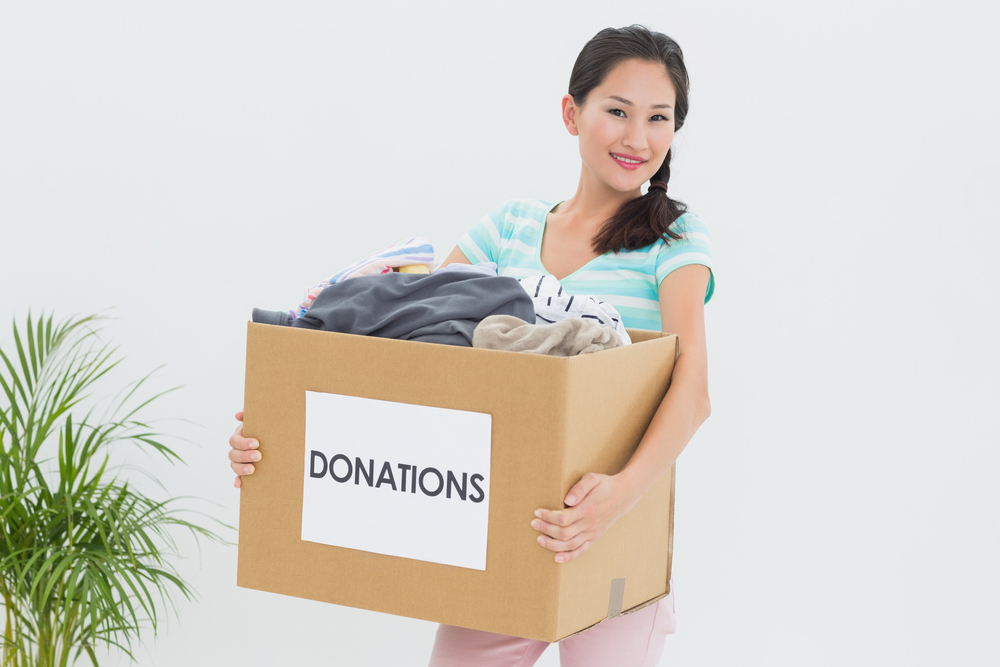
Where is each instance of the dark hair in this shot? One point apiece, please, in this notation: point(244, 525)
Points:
point(643, 220)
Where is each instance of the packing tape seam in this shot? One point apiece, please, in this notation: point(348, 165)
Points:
point(616, 598)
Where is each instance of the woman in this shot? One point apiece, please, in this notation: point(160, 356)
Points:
point(644, 254)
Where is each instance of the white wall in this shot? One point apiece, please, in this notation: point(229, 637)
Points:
point(184, 162)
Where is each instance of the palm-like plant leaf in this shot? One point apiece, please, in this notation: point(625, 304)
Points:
point(84, 557)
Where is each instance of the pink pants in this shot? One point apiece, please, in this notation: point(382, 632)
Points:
point(633, 640)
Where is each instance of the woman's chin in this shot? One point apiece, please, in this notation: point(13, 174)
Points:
point(621, 180)
point(624, 185)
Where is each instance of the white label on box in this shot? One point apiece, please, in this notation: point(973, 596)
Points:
point(397, 479)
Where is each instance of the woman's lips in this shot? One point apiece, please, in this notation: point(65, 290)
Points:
point(627, 161)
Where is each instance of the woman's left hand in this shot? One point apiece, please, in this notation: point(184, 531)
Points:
point(593, 504)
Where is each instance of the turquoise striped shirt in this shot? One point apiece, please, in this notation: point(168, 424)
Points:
point(511, 236)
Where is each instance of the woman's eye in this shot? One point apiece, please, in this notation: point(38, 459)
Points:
point(659, 117)
point(617, 112)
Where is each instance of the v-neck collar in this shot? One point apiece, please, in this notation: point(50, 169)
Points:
point(541, 239)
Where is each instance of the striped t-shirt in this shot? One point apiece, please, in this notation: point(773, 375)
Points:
point(511, 236)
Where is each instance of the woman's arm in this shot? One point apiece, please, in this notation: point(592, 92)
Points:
point(456, 257)
point(596, 501)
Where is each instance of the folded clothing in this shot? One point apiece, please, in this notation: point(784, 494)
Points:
point(553, 304)
point(279, 318)
point(410, 252)
point(565, 338)
point(486, 268)
point(440, 307)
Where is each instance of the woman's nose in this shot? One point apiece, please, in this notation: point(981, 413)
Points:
point(635, 136)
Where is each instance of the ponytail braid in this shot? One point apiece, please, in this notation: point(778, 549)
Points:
point(644, 220)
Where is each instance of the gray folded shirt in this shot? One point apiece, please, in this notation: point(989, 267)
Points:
point(440, 307)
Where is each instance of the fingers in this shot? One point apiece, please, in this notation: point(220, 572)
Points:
point(237, 441)
point(563, 545)
point(242, 468)
point(570, 531)
point(566, 517)
point(567, 556)
point(568, 543)
point(242, 452)
point(237, 482)
point(580, 490)
point(574, 512)
point(560, 533)
point(244, 456)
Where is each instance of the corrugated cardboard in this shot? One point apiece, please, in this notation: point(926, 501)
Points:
point(553, 419)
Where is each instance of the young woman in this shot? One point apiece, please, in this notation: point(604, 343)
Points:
point(644, 254)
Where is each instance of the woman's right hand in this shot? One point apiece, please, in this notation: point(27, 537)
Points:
point(243, 452)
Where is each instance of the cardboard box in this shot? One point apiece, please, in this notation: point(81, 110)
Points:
point(550, 421)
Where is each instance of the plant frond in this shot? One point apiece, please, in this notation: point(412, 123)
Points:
point(85, 559)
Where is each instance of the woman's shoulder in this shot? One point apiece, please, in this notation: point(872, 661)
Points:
point(693, 247)
point(690, 228)
point(689, 222)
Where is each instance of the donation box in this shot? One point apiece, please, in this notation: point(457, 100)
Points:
point(402, 477)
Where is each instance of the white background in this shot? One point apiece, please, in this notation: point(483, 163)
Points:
point(184, 162)
point(391, 519)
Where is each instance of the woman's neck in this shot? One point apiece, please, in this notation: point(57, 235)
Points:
point(594, 202)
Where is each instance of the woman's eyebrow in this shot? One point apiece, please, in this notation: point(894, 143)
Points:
point(628, 103)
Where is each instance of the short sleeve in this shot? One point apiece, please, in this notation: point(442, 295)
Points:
point(482, 242)
point(694, 247)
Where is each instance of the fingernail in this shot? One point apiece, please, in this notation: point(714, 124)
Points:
point(570, 500)
point(541, 540)
point(534, 524)
point(538, 513)
point(560, 558)
point(247, 470)
point(255, 456)
point(254, 444)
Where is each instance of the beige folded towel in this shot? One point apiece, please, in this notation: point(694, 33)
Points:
point(565, 338)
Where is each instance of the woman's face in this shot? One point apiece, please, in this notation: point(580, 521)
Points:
point(626, 124)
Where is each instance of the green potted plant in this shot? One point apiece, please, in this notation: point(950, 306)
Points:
point(84, 555)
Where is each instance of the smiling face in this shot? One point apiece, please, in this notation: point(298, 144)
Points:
point(626, 124)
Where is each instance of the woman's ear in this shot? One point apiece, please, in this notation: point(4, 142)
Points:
point(569, 110)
